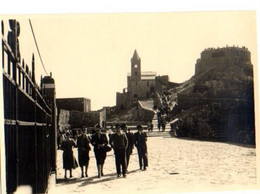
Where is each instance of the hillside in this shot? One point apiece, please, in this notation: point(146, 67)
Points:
point(218, 104)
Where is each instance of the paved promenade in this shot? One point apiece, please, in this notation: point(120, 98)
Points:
point(175, 165)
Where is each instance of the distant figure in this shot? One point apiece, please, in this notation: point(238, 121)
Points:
point(99, 141)
point(163, 122)
point(83, 151)
point(140, 138)
point(148, 126)
point(69, 161)
point(159, 120)
point(58, 139)
point(119, 142)
point(151, 125)
point(130, 146)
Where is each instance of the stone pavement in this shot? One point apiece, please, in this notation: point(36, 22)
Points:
point(175, 165)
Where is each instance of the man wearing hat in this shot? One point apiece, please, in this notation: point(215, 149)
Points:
point(140, 139)
point(119, 142)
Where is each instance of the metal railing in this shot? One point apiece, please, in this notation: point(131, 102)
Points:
point(27, 117)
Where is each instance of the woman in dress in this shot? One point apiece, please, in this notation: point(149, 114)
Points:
point(69, 161)
point(83, 151)
point(99, 141)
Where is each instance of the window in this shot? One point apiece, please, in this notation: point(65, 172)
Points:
point(135, 72)
point(135, 66)
point(135, 96)
point(148, 83)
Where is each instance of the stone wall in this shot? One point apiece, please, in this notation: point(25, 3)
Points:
point(122, 101)
point(87, 119)
point(221, 57)
point(223, 121)
point(63, 118)
point(76, 104)
point(142, 88)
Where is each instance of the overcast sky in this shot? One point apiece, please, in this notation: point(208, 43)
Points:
point(89, 54)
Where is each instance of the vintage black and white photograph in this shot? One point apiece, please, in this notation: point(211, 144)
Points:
point(129, 102)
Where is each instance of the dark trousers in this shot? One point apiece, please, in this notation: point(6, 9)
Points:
point(159, 125)
point(143, 159)
point(128, 154)
point(163, 126)
point(120, 155)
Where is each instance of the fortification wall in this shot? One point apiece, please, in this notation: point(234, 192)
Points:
point(122, 101)
point(221, 57)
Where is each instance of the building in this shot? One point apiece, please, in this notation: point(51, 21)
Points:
point(140, 85)
point(74, 104)
point(221, 57)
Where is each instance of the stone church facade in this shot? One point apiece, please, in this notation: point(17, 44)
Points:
point(140, 85)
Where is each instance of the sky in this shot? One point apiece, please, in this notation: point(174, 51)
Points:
point(89, 54)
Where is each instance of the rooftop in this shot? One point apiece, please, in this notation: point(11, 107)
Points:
point(135, 56)
point(146, 75)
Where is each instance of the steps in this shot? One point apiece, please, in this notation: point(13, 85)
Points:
point(156, 132)
point(160, 134)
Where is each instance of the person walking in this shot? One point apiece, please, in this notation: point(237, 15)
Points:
point(151, 125)
point(119, 142)
point(83, 151)
point(69, 161)
point(58, 139)
point(130, 145)
point(163, 122)
point(159, 120)
point(140, 139)
point(99, 141)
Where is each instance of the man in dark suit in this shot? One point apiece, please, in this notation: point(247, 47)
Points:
point(119, 142)
point(140, 139)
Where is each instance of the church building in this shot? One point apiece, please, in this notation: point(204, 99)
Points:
point(140, 85)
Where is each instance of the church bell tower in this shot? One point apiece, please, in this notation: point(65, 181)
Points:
point(135, 67)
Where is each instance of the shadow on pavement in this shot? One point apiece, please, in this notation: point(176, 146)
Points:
point(91, 180)
point(96, 180)
point(106, 177)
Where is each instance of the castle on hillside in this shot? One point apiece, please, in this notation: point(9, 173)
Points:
point(140, 85)
point(221, 57)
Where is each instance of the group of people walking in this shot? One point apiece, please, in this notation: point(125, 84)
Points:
point(161, 120)
point(122, 141)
